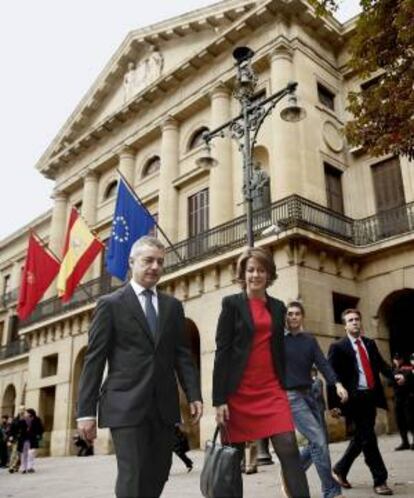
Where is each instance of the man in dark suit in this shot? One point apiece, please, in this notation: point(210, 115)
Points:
point(357, 364)
point(140, 333)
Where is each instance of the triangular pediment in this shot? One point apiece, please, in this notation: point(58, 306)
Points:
point(144, 57)
point(154, 59)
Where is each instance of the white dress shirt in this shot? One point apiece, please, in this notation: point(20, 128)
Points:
point(362, 380)
point(138, 289)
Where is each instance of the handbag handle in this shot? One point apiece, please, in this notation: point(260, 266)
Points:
point(217, 430)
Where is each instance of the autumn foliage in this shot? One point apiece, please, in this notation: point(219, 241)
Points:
point(382, 48)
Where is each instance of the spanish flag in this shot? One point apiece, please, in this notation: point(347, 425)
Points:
point(80, 249)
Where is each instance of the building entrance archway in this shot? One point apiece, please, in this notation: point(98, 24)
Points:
point(394, 321)
point(8, 405)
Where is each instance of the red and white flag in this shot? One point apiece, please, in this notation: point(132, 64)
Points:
point(40, 269)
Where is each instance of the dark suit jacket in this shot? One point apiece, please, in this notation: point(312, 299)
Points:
point(234, 337)
point(343, 360)
point(140, 368)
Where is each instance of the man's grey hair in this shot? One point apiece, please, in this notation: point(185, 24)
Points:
point(145, 241)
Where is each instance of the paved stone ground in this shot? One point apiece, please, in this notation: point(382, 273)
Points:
point(93, 477)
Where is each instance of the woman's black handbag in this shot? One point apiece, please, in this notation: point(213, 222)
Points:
point(221, 474)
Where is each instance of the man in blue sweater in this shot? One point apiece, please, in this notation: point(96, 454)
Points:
point(302, 352)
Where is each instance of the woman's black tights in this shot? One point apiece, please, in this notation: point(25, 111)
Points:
point(287, 451)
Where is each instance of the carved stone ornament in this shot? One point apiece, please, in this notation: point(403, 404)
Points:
point(332, 136)
point(140, 75)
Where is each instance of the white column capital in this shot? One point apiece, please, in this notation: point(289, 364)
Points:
point(169, 123)
point(220, 91)
point(281, 50)
point(59, 196)
point(126, 151)
point(89, 175)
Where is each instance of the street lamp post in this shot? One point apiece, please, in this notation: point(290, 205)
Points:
point(245, 127)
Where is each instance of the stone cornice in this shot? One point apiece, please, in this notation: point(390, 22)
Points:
point(147, 131)
point(23, 231)
point(211, 17)
point(327, 29)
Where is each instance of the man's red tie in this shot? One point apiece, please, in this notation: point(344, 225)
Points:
point(366, 365)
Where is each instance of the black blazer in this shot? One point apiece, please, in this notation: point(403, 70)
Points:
point(234, 337)
point(343, 360)
point(140, 368)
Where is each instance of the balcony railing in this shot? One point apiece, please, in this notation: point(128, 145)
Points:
point(14, 348)
point(87, 293)
point(292, 212)
point(384, 225)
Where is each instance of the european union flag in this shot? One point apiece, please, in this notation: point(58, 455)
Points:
point(131, 221)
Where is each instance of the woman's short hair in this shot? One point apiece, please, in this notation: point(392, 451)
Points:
point(264, 257)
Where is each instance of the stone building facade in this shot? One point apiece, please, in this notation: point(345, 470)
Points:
point(346, 218)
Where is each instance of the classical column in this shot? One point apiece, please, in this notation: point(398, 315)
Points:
point(221, 177)
point(89, 197)
point(60, 437)
point(285, 172)
point(58, 224)
point(127, 164)
point(89, 212)
point(168, 194)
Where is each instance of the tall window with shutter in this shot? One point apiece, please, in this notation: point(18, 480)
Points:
point(198, 213)
point(333, 185)
point(389, 196)
point(198, 219)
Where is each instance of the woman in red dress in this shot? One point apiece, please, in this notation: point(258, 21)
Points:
point(248, 375)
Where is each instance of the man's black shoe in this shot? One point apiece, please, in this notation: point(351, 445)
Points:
point(402, 446)
point(383, 490)
point(341, 480)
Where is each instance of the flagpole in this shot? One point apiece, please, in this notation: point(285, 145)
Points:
point(44, 244)
point(82, 286)
point(149, 214)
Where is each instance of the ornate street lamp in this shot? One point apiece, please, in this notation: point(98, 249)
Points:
point(245, 127)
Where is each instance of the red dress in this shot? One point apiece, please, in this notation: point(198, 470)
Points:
point(259, 408)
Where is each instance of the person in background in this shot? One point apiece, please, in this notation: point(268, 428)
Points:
point(29, 440)
point(181, 447)
point(85, 448)
point(4, 431)
point(403, 409)
point(249, 461)
point(17, 427)
point(358, 363)
point(302, 351)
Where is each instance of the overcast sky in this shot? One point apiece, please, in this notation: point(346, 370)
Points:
point(51, 51)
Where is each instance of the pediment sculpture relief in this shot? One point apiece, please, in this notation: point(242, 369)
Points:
point(140, 75)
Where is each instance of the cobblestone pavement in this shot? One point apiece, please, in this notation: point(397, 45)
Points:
point(93, 477)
